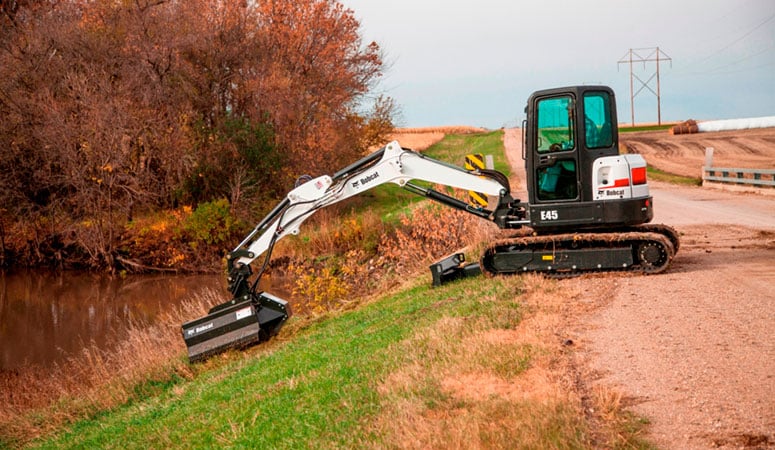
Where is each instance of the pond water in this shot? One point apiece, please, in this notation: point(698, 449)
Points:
point(47, 317)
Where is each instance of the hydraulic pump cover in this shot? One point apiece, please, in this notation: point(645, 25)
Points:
point(234, 325)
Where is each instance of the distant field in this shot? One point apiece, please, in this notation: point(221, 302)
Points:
point(675, 154)
point(422, 138)
point(684, 154)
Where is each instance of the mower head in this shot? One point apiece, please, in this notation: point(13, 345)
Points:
point(238, 323)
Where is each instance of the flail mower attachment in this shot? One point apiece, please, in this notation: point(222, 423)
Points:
point(238, 323)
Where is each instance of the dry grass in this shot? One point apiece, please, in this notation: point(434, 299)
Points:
point(343, 257)
point(421, 138)
point(428, 233)
point(95, 380)
point(506, 382)
point(449, 129)
point(479, 382)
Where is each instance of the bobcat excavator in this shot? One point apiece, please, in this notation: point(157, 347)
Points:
point(588, 210)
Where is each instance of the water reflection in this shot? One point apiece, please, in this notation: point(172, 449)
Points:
point(46, 317)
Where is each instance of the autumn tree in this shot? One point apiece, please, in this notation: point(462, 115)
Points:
point(89, 129)
point(319, 70)
point(112, 109)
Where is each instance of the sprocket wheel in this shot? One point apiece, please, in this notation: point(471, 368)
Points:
point(652, 256)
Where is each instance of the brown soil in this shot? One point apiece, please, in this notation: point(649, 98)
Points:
point(684, 154)
point(691, 350)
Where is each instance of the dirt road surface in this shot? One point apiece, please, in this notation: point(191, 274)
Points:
point(691, 350)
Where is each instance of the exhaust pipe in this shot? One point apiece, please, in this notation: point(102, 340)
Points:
point(238, 323)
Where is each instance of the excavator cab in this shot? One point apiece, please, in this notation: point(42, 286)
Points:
point(571, 155)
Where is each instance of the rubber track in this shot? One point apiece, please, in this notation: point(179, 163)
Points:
point(666, 230)
point(662, 235)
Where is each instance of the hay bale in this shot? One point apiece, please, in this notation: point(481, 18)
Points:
point(687, 127)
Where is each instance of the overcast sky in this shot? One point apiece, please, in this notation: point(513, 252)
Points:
point(454, 62)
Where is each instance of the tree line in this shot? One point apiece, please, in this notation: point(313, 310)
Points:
point(111, 110)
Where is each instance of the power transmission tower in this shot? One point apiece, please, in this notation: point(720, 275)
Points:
point(636, 55)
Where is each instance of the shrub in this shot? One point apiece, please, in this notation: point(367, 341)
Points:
point(430, 232)
point(211, 222)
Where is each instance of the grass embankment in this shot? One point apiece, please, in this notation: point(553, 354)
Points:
point(472, 364)
point(478, 363)
point(667, 177)
point(386, 375)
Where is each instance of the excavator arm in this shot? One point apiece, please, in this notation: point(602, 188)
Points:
point(589, 211)
point(390, 164)
point(252, 315)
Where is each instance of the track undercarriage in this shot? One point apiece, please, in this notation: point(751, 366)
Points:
point(646, 249)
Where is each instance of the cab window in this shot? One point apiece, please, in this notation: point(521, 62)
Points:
point(598, 131)
point(555, 124)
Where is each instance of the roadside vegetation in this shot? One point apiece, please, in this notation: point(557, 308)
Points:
point(660, 175)
point(380, 360)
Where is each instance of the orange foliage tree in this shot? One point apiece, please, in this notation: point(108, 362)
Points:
point(112, 109)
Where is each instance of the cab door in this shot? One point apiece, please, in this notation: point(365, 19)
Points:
point(554, 175)
point(599, 133)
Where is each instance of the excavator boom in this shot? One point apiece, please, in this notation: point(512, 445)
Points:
point(588, 210)
point(251, 316)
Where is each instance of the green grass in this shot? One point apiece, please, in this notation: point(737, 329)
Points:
point(627, 129)
point(318, 390)
point(659, 175)
point(390, 201)
point(454, 148)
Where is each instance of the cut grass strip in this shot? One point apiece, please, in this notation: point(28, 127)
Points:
point(326, 387)
point(320, 387)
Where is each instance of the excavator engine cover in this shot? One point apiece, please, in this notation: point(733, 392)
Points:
point(237, 323)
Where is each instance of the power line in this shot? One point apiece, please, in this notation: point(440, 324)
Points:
point(738, 61)
point(637, 56)
point(730, 67)
point(736, 71)
point(735, 41)
point(738, 39)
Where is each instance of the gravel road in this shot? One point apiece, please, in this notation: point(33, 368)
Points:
point(692, 350)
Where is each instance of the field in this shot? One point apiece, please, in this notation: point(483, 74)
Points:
point(685, 154)
point(421, 138)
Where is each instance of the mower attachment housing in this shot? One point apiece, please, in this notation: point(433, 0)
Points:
point(238, 323)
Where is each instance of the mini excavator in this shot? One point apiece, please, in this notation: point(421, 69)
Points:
point(588, 210)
